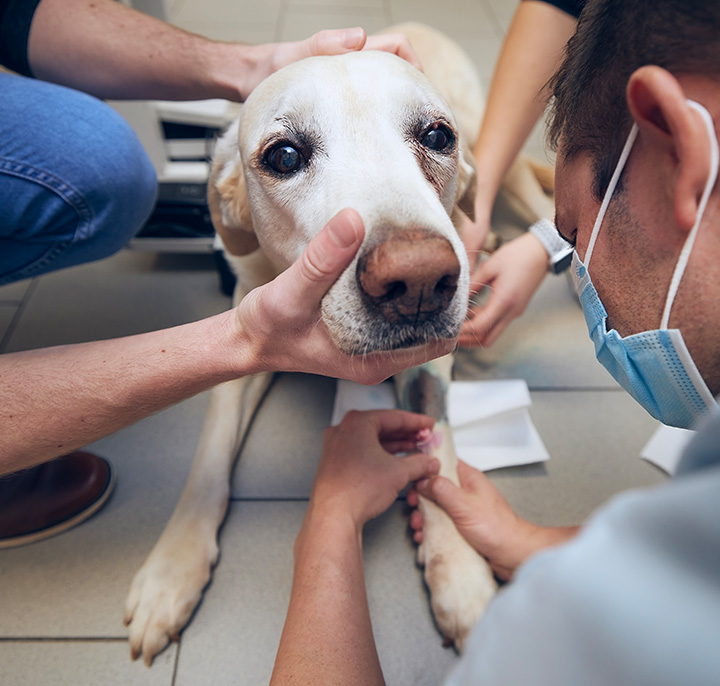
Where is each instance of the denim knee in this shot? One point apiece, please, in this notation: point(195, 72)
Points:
point(125, 190)
point(75, 181)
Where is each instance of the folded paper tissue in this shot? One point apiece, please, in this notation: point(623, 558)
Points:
point(665, 447)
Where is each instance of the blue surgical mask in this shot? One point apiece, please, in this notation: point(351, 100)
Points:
point(655, 367)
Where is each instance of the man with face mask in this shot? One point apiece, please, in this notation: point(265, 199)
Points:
point(632, 597)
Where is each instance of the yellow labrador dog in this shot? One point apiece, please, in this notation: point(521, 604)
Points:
point(368, 131)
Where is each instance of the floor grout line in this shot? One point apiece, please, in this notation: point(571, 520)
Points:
point(177, 663)
point(280, 21)
point(18, 313)
point(574, 389)
point(500, 31)
point(63, 639)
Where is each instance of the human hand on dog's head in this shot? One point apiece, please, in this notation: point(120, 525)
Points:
point(280, 326)
point(266, 59)
point(359, 474)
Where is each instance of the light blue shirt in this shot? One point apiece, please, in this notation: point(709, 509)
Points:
point(634, 599)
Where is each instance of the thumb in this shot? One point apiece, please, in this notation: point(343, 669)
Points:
point(420, 466)
point(336, 41)
point(443, 492)
point(326, 257)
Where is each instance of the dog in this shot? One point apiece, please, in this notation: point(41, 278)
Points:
point(369, 131)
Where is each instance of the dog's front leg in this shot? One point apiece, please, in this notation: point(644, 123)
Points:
point(460, 581)
point(168, 587)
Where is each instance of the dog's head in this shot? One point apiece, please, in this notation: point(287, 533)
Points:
point(364, 130)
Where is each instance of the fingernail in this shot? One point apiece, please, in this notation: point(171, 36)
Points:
point(343, 233)
point(352, 37)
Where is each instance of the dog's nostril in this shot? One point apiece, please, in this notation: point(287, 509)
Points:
point(447, 283)
point(396, 289)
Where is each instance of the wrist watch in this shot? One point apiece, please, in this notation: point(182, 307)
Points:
point(559, 250)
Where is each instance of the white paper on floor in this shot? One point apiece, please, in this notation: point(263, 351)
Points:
point(490, 419)
point(666, 446)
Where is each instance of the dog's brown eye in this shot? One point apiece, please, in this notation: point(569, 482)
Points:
point(438, 137)
point(284, 159)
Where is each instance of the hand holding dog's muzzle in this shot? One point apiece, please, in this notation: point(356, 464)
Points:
point(288, 309)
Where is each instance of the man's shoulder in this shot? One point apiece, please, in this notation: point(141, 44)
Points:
point(703, 451)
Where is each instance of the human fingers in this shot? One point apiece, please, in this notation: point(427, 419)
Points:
point(397, 424)
point(334, 42)
point(419, 466)
point(394, 430)
point(485, 324)
point(488, 321)
point(327, 255)
point(395, 43)
point(394, 447)
point(480, 323)
point(416, 524)
point(444, 493)
point(498, 327)
point(470, 477)
point(473, 234)
point(373, 368)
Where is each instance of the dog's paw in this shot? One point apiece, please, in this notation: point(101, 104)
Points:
point(461, 585)
point(166, 590)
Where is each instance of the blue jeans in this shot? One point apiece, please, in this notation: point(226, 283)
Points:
point(75, 182)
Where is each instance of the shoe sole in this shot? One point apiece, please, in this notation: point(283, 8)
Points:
point(67, 524)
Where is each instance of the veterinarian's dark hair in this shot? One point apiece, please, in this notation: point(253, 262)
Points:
point(613, 39)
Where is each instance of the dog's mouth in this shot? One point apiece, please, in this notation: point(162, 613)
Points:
point(406, 338)
point(370, 332)
point(383, 337)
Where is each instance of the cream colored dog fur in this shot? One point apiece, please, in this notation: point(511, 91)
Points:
point(367, 131)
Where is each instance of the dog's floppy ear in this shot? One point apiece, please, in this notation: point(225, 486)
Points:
point(228, 198)
point(467, 178)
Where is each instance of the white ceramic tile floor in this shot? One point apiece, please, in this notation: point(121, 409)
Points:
point(61, 601)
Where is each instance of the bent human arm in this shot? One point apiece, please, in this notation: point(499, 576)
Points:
point(55, 400)
point(327, 638)
point(530, 54)
point(486, 520)
point(112, 51)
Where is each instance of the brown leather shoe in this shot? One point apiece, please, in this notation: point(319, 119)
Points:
point(53, 497)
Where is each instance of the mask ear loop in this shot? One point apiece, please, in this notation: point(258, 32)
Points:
point(690, 240)
point(609, 193)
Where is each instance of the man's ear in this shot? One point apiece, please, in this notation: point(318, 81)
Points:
point(467, 183)
point(659, 106)
point(228, 198)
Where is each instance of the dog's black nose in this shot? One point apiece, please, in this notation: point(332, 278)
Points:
point(408, 277)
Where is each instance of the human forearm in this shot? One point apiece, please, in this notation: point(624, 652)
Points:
point(58, 399)
point(55, 400)
point(327, 638)
point(530, 55)
point(112, 51)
